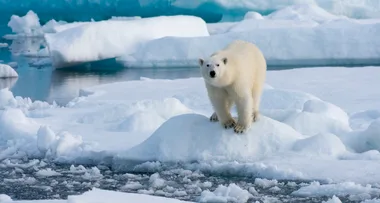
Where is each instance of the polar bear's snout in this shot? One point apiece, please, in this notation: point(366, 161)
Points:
point(212, 74)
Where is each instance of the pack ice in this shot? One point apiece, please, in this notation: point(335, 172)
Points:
point(132, 123)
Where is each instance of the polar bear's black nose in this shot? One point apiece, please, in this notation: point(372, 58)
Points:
point(212, 74)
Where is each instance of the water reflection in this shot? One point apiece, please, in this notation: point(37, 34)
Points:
point(39, 81)
point(62, 85)
point(7, 82)
point(29, 46)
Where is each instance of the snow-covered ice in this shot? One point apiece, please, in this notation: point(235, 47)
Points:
point(303, 12)
point(307, 43)
point(7, 72)
point(313, 37)
point(131, 122)
point(3, 45)
point(108, 39)
point(220, 144)
point(352, 89)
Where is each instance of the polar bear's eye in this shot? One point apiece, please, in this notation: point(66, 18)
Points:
point(208, 65)
point(217, 65)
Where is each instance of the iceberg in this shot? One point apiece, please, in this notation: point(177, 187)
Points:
point(108, 39)
point(27, 25)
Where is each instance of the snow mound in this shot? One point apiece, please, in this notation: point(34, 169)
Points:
point(361, 120)
point(321, 144)
point(325, 117)
point(108, 39)
point(152, 116)
point(299, 110)
point(255, 25)
point(307, 44)
point(372, 133)
point(7, 72)
point(304, 12)
point(21, 135)
point(27, 25)
point(253, 15)
point(364, 140)
point(7, 100)
point(14, 123)
point(191, 137)
point(230, 193)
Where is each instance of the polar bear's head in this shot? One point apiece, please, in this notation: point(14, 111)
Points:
point(214, 70)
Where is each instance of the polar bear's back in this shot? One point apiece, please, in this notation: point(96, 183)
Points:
point(246, 52)
point(246, 57)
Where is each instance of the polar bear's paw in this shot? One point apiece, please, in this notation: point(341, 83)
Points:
point(229, 123)
point(239, 128)
point(214, 117)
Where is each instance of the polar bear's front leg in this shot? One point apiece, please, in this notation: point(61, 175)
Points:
point(222, 105)
point(245, 110)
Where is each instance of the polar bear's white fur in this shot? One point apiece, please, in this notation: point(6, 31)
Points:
point(235, 74)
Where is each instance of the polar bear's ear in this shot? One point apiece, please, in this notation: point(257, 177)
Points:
point(201, 61)
point(224, 61)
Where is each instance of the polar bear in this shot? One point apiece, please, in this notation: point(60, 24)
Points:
point(235, 75)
